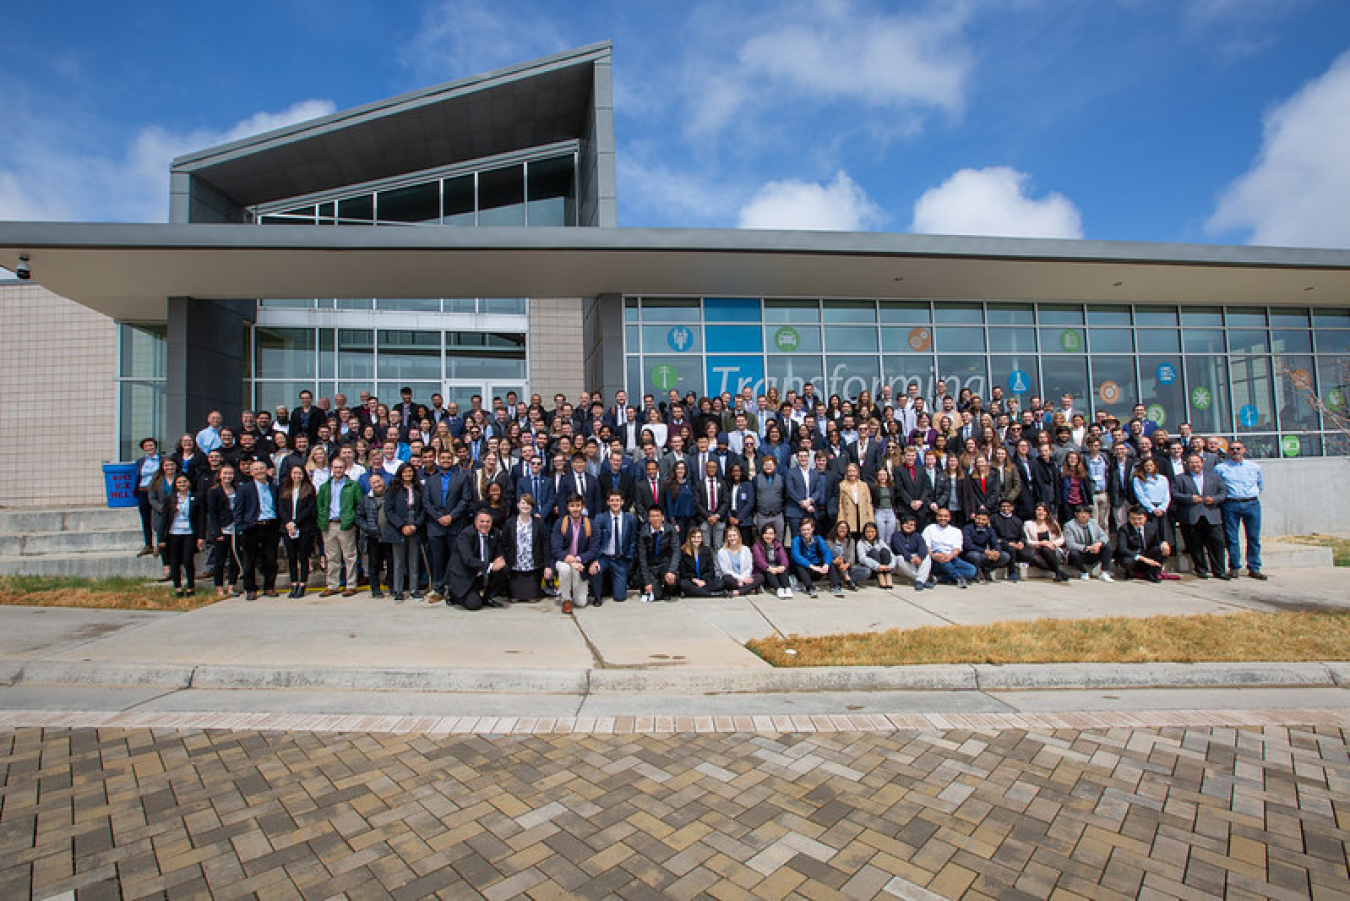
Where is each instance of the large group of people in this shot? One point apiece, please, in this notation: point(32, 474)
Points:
point(685, 496)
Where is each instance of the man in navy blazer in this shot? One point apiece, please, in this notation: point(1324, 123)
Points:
point(579, 482)
point(712, 504)
point(1199, 495)
point(616, 548)
point(255, 527)
point(806, 492)
point(539, 486)
point(867, 452)
point(445, 504)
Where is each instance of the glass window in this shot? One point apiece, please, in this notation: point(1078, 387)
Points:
point(1113, 386)
point(733, 339)
point(1202, 316)
point(286, 304)
point(630, 309)
point(1291, 341)
point(356, 353)
point(409, 305)
point(1331, 318)
point(1158, 341)
point(493, 341)
point(1011, 314)
point(355, 303)
point(408, 355)
point(1111, 340)
point(1059, 340)
point(1252, 388)
point(327, 356)
point(468, 366)
point(459, 305)
point(899, 372)
point(634, 379)
point(1109, 314)
point(414, 203)
point(1248, 341)
point(906, 339)
point(1207, 405)
point(731, 309)
point(1295, 385)
point(1060, 314)
point(1203, 341)
point(670, 309)
point(1333, 383)
point(504, 306)
point(1017, 374)
point(660, 374)
point(959, 313)
point(958, 340)
point(270, 395)
point(632, 338)
point(850, 311)
point(501, 196)
point(553, 195)
point(284, 353)
point(666, 339)
point(964, 371)
point(144, 350)
point(1064, 375)
point(1155, 316)
point(141, 407)
point(356, 210)
point(1301, 445)
point(855, 339)
point(1012, 328)
point(849, 376)
point(790, 373)
point(906, 312)
point(458, 201)
point(1161, 383)
point(328, 213)
point(789, 339)
point(1332, 342)
point(1246, 318)
point(791, 311)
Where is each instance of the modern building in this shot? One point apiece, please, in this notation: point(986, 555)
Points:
point(463, 239)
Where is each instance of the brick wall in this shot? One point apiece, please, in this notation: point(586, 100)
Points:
point(58, 371)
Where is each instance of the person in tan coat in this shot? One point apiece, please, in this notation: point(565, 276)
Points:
point(855, 501)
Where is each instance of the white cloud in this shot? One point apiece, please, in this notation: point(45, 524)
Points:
point(837, 205)
point(1298, 190)
point(993, 201)
point(51, 175)
point(460, 38)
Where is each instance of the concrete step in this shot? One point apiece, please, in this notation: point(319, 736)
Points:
point(41, 543)
point(1277, 554)
point(91, 565)
point(72, 519)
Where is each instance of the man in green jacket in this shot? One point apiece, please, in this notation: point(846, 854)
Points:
point(338, 499)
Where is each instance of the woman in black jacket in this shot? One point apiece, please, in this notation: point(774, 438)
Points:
point(403, 517)
point(527, 552)
point(184, 524)
point(299, 515)
point(698, 573)
point(982, 488)
point(220, 531)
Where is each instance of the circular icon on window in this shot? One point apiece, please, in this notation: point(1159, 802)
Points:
point(1071, 340)
point(1291, 445)
point(1109, 392)
point(920, 339)
point(1156, 414)
point(787, 339)
point(680, 338)
point(1201, 397)
point(665, 377)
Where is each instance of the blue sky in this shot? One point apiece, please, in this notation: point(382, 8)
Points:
point(1212, 121)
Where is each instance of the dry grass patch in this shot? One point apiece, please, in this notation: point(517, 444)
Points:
point(1340, 547)
point(97, 594)
point(1176, 639)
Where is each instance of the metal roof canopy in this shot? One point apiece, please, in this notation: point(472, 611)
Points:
point(127, 271)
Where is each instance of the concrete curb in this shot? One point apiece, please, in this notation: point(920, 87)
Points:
point(674, 680)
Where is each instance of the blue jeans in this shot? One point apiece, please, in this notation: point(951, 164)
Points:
point(1238, 515)
point(953, 569)
point(617, 567)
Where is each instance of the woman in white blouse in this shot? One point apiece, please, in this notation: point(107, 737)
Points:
point(737, 566)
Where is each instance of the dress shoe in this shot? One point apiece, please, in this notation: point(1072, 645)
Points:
point(328, 592)
point(492, 602)
point(349, 593)
point(1224, 576)
point(566, 606)
point(1202, 575)
point(271, 594)
point(145, 551)
point(251, 596)
point(1257, 574)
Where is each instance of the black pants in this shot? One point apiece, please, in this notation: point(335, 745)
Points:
point(298, 551)
point(1205, 539)
point(438, 554)
point(258, 550)
point(710, 585)
point(378, 556)
point(490, 585)
point(1046, 558)
point(182, 553)
point(225, 562)
point(808, 577)
point(1085, 559)
point(143, 506)
point(983, 564)
point(776, 580)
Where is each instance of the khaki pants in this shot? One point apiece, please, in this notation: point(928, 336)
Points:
point(572, 585)
point(1101, 510)
point(339, 547)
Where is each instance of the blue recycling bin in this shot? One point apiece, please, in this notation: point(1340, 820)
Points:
point(119, 480)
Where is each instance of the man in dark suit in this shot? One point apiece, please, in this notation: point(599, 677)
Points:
point(477, 571)
point(539, 486)
point(579, 482)
point(712, 503)
point(805, 490)
point(255, 527)
point(1140, 548)
point(866, 452)
point(649, 491)
point(616, 533)
point(1198, 497)
point(912, 490)
point(616, 477)
point(307, 418)
point(445, 505)
point(658, 550)
point(1120, 484)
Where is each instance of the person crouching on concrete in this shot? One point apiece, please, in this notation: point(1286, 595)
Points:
point(575, 545)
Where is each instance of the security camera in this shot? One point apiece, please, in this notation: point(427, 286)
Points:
point(22, 270)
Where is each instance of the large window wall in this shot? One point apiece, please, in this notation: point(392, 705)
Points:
point(534, 192)
point(142, 357)
point(1239, 370)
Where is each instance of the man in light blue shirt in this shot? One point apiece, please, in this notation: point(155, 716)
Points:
point(208, 439)
point(1242, 510)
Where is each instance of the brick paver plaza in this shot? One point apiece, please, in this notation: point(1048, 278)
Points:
point(1021, 810)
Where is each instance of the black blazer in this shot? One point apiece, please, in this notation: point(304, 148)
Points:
point(306, 514)
point(973, 497)
point(196, 516)
point(219, 513)
point(466, 564)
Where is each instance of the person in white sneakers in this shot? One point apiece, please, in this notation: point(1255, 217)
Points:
point(771, 561)
point(1088, 545)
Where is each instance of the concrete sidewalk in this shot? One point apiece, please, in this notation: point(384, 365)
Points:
point(690, 646)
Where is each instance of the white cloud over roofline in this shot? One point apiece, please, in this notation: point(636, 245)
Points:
point(837, 205)
point(993, 201)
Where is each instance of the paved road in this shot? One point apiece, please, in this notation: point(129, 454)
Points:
point(859, 809)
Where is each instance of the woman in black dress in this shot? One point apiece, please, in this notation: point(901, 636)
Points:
point(526, 552)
